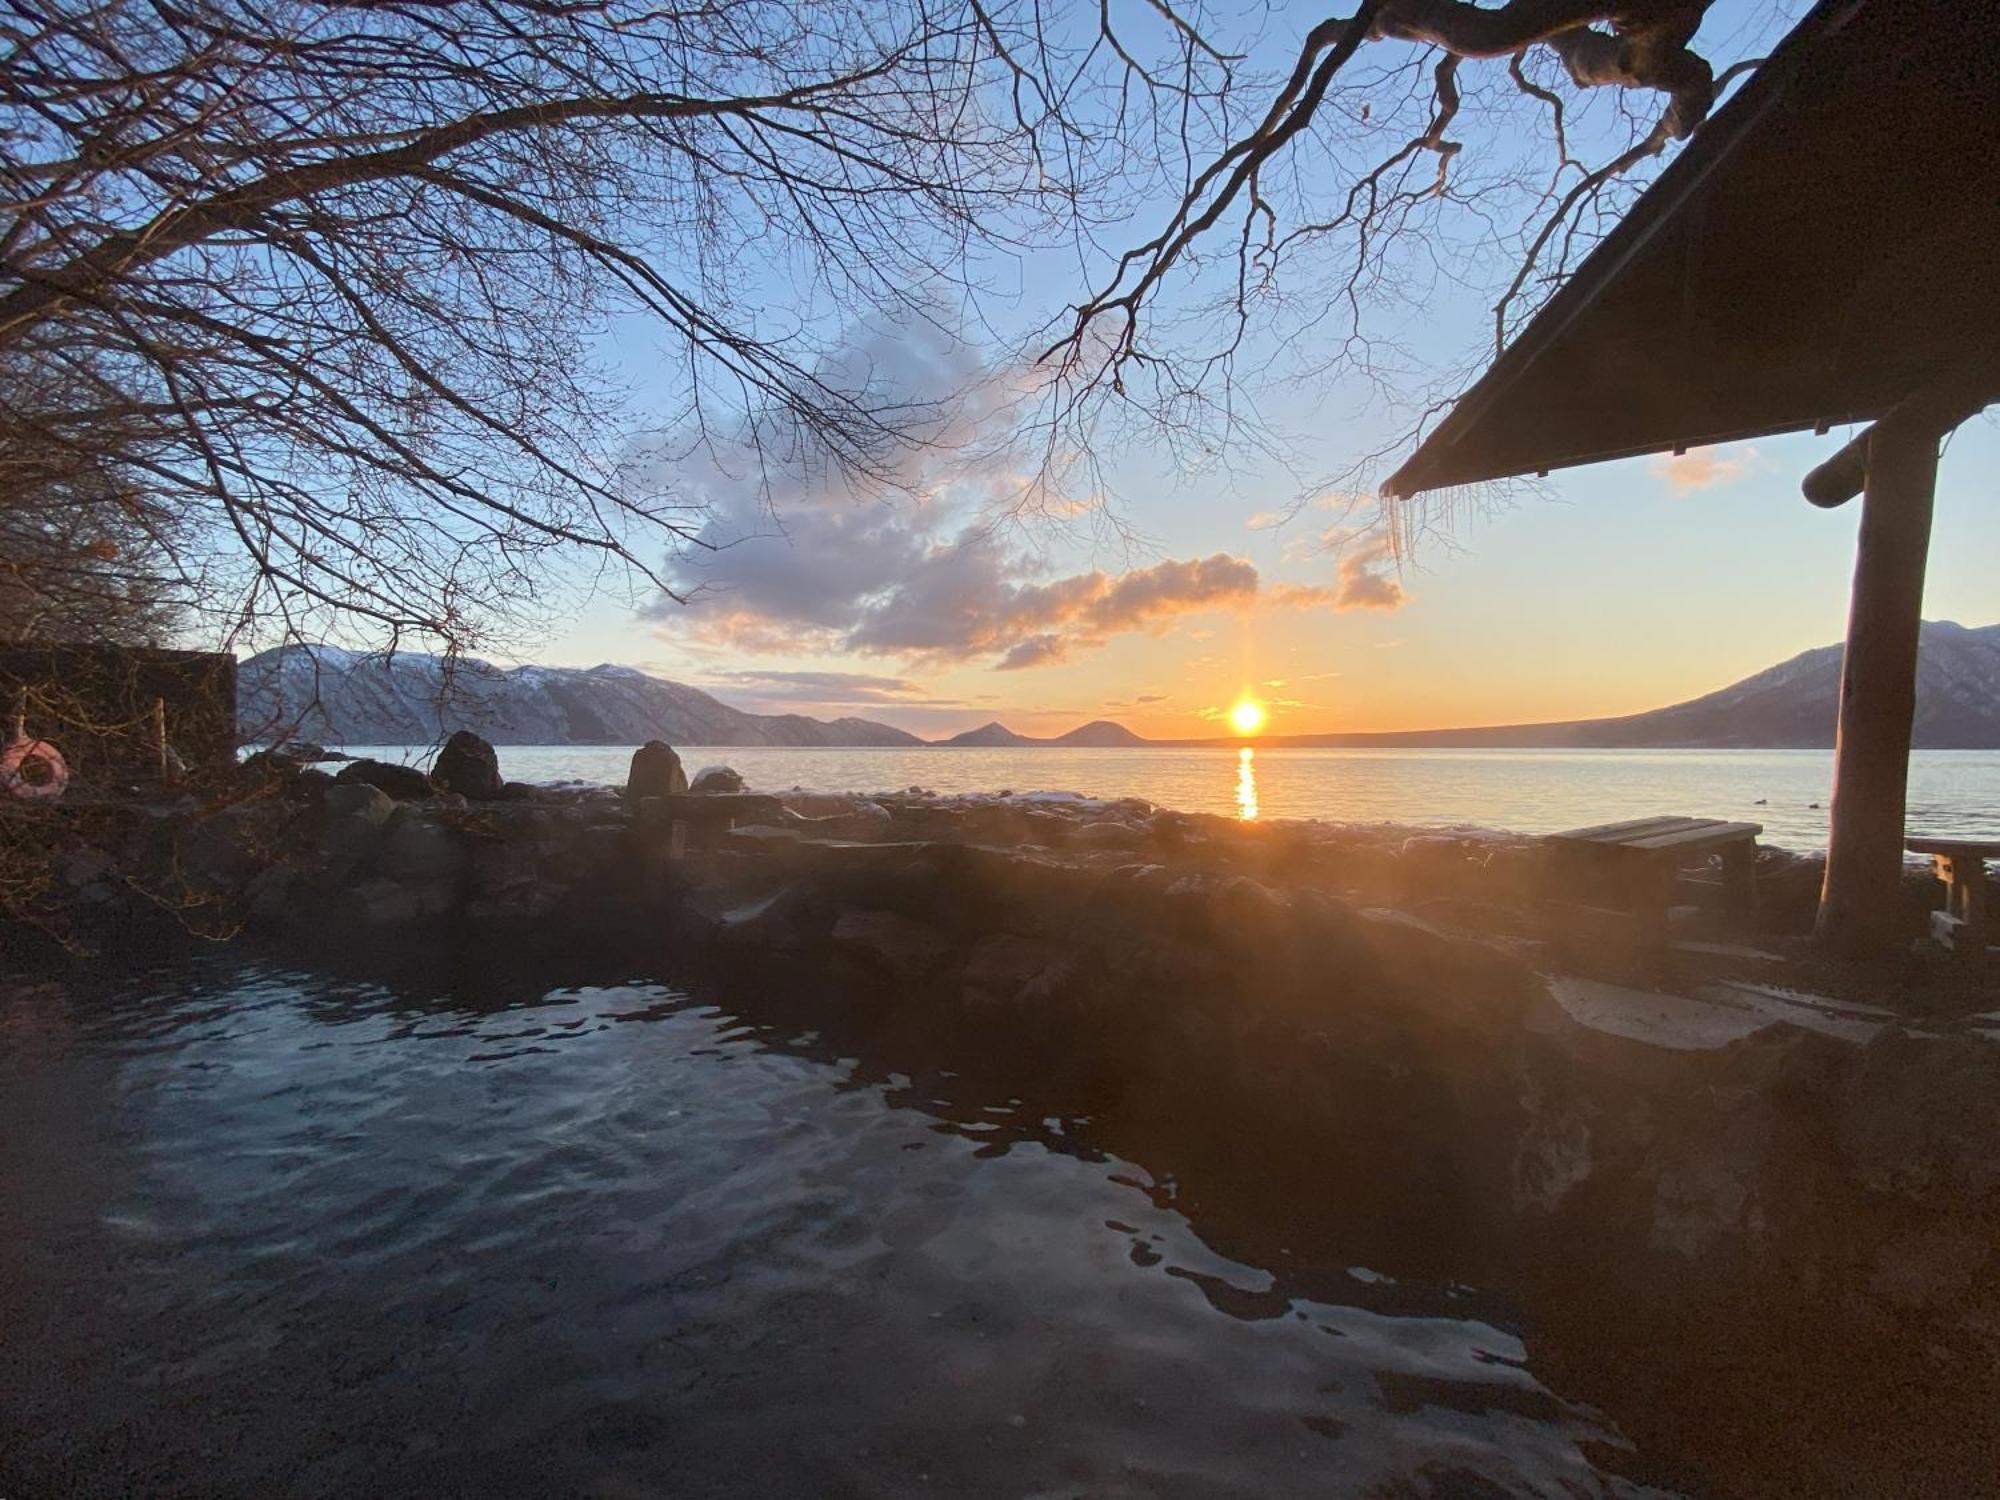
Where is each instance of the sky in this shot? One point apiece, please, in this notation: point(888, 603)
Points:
point(1170, 592)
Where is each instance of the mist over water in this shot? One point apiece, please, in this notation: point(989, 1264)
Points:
point(1529, 791)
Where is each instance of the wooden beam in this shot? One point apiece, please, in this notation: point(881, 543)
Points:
point(1952, 398)
point(1878, 692)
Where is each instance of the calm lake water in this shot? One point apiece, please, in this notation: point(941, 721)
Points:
point(276, 1233)
point(1531, 791)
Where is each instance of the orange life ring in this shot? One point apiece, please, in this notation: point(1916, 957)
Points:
point(32, 771)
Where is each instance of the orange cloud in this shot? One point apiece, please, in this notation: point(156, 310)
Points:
point(1702, 469)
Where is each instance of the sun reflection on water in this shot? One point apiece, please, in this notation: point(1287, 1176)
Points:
point(1246, 784)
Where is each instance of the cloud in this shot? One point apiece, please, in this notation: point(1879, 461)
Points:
point(1035, 651)
point(1365, 583)
point(792, 557)
point(1151, 698)
point(967, 599)
point(1304, 596)
point(1702, 469)
point(827, 687)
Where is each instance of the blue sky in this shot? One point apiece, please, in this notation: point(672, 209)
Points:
point(1160, 599)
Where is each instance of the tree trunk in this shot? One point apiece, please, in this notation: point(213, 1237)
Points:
point(1859, 902)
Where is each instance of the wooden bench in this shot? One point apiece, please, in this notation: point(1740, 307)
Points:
point(1636, 862)
point(1964, 927)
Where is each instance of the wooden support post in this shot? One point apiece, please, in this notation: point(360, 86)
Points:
point(1739, 883)
point(1878, 693)
point(1961, 926)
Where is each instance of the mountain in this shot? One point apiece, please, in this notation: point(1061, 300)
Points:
point(376, 700)
point(343, 697)
point(993, 736)
point(1097, 734)
point(1793, 705)
point(1797, 702)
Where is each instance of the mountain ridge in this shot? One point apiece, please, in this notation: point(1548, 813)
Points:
point(1793, 705)
point(341, 696)
point(1097, 734)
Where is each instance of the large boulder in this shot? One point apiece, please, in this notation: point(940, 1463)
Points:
point(310, 786)
point(469, 766)
point(656, 772)
point(358, 799)
point(716, 779)
point(356, 814)
point(404, 783)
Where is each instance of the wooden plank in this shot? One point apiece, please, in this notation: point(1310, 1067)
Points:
point(1621, 829)
point(1968, 848)
point(1609, 833)
point(1689, 839)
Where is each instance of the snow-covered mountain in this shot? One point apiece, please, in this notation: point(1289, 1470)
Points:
point(1797, 702)
point(1793, 705)
point(340, 697)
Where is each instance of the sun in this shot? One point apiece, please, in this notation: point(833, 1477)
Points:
point(1248, 716)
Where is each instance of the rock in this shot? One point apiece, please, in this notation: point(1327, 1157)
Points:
point(867, 820)
point(761, 838)
point(86, 865)
point(888, 940)
point(273, 895)
point(310, 786)
point(419, 850)
point(656, 772)
point(716, 779)
point(270, 765)
point(306, 751)
point(773, 924)
point(383, 903)
point(519, 791)
point(1108, 833)
point(1929, 1268)
point(224, 850)
point(358, 799)
point(469, 766)
point(1004, 967)
point(404, 783)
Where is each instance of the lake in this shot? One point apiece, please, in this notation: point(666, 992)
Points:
point(1529, 791)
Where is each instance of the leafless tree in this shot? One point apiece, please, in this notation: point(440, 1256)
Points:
point(335, 277)
point(87, 551)
point(1352, 186)
point(335, 287)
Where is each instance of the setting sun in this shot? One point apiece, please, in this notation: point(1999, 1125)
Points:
point(1248, 716)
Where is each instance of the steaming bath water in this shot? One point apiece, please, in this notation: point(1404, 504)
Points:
point(275, 1233)
point(1952, 792)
